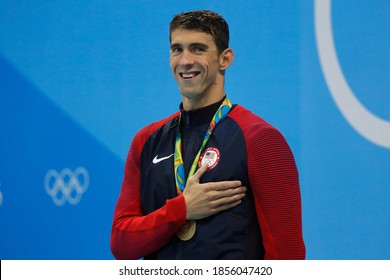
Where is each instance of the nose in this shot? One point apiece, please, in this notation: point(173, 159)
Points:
point(186, 58)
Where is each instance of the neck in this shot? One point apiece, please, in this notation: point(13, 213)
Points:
point(193, 118)
point(194, 103)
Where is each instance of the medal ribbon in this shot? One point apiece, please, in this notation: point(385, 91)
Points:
point(180, 179)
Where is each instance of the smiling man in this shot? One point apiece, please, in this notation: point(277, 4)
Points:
point(212, 181)
point(198, 67)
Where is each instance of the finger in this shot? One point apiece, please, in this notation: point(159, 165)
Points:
point(228, 193)
point(228, 197)
point(224, 185)
point(199, 173)
point(226, 206)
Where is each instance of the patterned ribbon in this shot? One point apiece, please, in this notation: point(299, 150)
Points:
point(180, 179)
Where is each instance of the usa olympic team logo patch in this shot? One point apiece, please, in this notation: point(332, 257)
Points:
point(210, 157)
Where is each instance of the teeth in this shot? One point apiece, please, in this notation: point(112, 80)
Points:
point(188, 75)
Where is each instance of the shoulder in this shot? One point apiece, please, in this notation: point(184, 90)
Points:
point(249, 122)
point(265, 143)
point(257, 132)
point(143, 134)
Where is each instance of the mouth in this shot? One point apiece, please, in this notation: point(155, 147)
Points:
point(189, 75)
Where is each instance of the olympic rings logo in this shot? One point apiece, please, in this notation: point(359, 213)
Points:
point(362, 120)
point(66, 186)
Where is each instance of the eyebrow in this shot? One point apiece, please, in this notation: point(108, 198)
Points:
point(192, 45)
point(174, 46)
point(201, 45)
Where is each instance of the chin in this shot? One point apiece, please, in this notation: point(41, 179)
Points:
point(189, 94)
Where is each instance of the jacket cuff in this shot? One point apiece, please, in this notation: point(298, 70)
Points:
point(176, 210)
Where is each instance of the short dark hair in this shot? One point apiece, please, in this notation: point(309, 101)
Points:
point(206, 21)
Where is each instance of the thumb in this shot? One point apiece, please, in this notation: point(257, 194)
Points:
point(199, 173)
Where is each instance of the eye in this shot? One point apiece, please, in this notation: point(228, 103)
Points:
point(198, 49)
point(176, 49)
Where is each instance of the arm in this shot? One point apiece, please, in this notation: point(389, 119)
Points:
point(135, 235)
point(274, 180)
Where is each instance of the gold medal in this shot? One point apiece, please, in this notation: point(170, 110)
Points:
point(187, 231)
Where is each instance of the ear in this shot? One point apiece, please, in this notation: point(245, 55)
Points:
point(226, 59)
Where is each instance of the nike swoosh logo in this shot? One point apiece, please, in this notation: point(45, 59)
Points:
point(157, 160)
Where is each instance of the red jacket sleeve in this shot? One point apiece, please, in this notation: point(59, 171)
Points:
point(135, 235)
point(274, 180)
point(273, 177)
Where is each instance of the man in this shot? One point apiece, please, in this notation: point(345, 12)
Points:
point(212, 181)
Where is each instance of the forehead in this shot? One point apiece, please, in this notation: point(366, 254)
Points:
point(183, 36)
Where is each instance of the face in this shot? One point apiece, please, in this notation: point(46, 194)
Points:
point(196, 67)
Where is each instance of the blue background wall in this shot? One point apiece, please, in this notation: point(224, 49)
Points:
point(79, 78)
